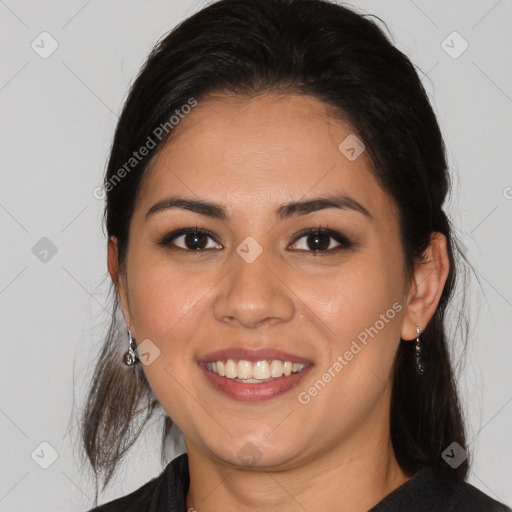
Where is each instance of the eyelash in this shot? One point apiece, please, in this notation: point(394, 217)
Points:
point(342, 240)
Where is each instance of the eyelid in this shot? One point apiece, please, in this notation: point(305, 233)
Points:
point(343, 241)
point(168, 238)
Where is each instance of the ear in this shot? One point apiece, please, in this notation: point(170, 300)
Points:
point(118, 277)
point(426, 286)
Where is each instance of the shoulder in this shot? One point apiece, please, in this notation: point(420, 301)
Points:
point(437, 489)
point(172, 481)
point(136, 501)
point(467, 497)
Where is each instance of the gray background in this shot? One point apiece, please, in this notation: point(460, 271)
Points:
point(57, 119)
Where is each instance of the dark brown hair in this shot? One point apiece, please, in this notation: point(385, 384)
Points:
point(329, 52)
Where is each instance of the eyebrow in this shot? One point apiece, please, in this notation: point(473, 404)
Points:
point(285, 211)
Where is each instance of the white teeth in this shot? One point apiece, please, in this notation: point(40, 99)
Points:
point(260, 370)
point(253, 372)
point(244, 369)
point(231, 369)
point(276, 368)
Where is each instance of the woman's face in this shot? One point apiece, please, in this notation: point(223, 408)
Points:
point(261, 289)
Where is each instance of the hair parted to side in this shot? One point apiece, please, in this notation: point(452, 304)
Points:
point(329, 52)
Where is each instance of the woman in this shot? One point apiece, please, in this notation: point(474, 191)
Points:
point(283, 264)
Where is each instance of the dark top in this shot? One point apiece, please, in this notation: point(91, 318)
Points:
point(427, 491)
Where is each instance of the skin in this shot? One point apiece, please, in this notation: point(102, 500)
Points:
point(251, 155)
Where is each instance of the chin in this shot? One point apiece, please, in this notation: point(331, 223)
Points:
point(250, 452)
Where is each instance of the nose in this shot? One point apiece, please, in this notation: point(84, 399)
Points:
point(253, 294)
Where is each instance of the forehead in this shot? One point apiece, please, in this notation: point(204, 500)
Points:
point(264, 150)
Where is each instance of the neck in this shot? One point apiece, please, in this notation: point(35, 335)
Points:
point(354, 475)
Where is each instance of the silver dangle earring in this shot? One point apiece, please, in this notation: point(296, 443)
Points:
point(129, 357)
point(420, 366)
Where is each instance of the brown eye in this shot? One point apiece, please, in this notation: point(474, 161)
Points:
point(195, 241)
point(318, 242)
point(190, 239)
point(321, 240)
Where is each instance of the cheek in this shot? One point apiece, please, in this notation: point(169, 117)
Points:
point(161, 298)
point(353, 298)
point(363, 312)
point(362, 308)
point(166, 308)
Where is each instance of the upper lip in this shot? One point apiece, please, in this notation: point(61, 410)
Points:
point(252, 354)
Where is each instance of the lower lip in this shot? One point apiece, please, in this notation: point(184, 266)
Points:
point(254, 392)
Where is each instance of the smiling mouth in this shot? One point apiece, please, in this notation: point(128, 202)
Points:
point(254, 372)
